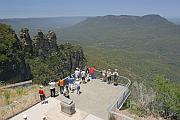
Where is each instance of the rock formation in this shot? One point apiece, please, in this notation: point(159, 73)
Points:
point(59, 61)
point(43, 46)
point(25, 40)
point(51, 36)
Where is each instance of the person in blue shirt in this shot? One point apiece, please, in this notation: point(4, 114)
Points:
point(71, 83)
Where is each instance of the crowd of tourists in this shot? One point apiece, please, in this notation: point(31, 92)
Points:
point(73, 82)
point(70, 84)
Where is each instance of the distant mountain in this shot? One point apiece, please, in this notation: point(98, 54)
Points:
point(150, 33)
point(42, 23)
point(128, 20)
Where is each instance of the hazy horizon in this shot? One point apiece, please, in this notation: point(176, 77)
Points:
point(84, 16)
point(71, 8)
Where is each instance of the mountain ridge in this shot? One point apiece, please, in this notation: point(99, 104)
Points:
point(155, 34)
point(129, 19)
point(44, 23)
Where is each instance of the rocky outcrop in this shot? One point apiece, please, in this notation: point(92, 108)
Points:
point(43, 46)
point(25, 39)
point(51, 36)
point(57, 61)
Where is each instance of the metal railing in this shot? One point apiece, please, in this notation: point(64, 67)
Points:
point(117, 105)
point(111, 110)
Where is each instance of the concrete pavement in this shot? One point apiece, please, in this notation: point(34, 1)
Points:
point(96, 97)
point(91, 104)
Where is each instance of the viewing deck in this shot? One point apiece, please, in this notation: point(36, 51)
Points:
point(96, 97)
point(92, 104)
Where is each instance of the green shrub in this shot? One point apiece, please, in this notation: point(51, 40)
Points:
point(20, 91)
point(7, 96)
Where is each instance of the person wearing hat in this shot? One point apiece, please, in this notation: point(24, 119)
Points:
point(116, 75)
point(42, 94)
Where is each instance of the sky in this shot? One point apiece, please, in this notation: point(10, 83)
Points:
point(59, 8)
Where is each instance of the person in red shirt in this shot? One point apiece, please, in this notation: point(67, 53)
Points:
point(42, 94)
point(92, 71)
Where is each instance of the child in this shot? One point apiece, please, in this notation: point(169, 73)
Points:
point(42, 94)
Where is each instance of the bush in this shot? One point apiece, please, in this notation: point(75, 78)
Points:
point(7, 96)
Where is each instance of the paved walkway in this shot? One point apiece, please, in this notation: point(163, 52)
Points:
point(96, 97)
point(51, 110)
point(91, 104)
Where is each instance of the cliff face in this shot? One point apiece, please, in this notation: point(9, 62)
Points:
point(51, 37)
point(13, 67)
point(26, 57)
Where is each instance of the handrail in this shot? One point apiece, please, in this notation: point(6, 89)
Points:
point(110, 109)
point(116, 104)
point(129, 81)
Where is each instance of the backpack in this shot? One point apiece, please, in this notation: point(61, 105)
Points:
point(115, 75)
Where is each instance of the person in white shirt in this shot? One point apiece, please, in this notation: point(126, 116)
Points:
point(83, 75)
point(77, 83)
point(77, 73)
point(116, 75)
point(109, 76)
point(52, 86)
point(103, 75)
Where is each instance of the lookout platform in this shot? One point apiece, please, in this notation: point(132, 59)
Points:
point(92, 104)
